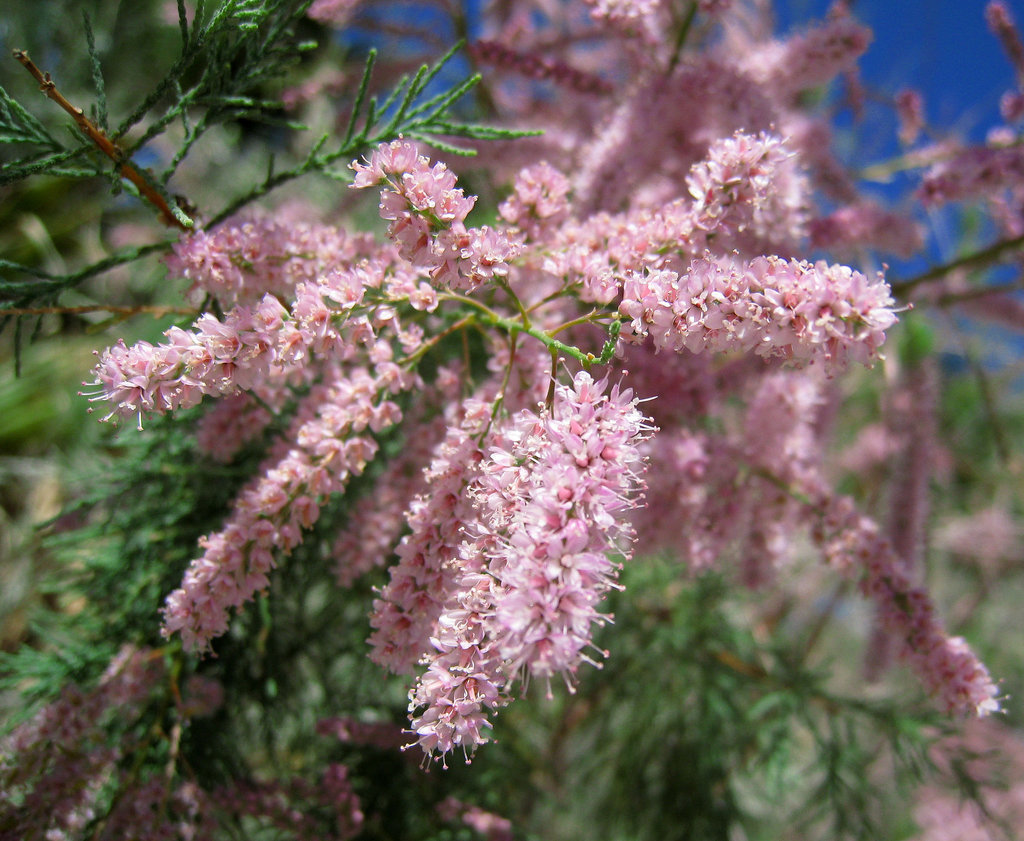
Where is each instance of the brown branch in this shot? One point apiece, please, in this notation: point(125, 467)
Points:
point(104, 143)
point(976, 293)
point(975, 260)
point(157, 311)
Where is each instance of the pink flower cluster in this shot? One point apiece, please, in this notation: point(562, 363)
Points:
point(125, 684)
point(768, 306)
point(549, 500)
point(866, 225)
point(201, 696)
point(407, 608)
point(549, 529)
point(534, 66)
point(374, 526)
point(974, 172)
point(232, 423)
point(251, 347)
point(714, 7)
point(59, 761)
point(991, 540)
point(709, 502)
point(945, 665)
point(240, 262)
point(910, 113)
point(330, 445)
point(623, 9)
point(745, 494)
point(987, 756)
point(334, 13)
point(781, 440)
point(57, 771)
point(159, 810)
point(747, 194)
point(426, 212)
point(539, 201)
point(750, 184)
point(688, 510)
point(216, 358)
point(487, 825)
point(805, 60)
point(422, 580)
point(1001, 22)
point(911, 417)
point(328, 810)
point(265, 348)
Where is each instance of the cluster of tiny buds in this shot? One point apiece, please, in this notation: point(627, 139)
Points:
point(486, 824)
point(946, 665)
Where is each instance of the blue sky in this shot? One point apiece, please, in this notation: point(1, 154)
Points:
point(941, 47)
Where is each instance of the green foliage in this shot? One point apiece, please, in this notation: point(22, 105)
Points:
point(152, 511)
point(18, 126)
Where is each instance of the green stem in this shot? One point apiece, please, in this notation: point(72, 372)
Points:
point(471, 302)
point(503, 283)
point(490, 318)
point(554, 296)
point(551, 343)
point(589, 318)
point(684, 30)
point(419, 353)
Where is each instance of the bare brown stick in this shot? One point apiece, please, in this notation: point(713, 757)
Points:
point(977, 292)
point(975, 260)
point(157, 311)
point(104, 143)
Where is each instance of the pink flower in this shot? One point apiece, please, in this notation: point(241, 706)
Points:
point(910, 112)
point(811, 58)
point(977, 171)
point(334, 13)
point(550, 500)
point(750, 185)
point(768, 306)
point(866, 224)
point(539, 201)
point(426, 211)
point(945, 665)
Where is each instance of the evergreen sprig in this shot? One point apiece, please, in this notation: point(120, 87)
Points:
point(17, 125)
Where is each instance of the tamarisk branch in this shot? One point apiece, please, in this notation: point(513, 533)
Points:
point(170, 217)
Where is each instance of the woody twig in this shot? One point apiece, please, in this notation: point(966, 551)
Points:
point(105, 144)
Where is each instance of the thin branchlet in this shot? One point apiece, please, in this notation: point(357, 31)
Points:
point(146, 187)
